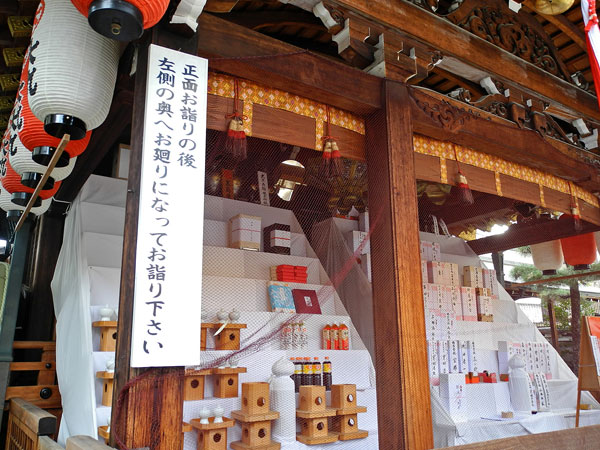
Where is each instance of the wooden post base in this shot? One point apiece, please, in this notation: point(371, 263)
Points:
point(108, 335)
point(107, 387)
point(256, 430)
point(226, 381)
point(193, 388)
point(212, 436)
point(104, 433)
point(330, 437)
point(239, 445)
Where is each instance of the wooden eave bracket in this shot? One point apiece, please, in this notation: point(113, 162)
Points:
point(396, 60)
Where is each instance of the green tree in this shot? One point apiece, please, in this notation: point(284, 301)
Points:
point(568, 305)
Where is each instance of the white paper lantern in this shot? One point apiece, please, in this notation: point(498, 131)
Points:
point(72, 72)
point(547, 256)
point(32, 172)
point(14, 211)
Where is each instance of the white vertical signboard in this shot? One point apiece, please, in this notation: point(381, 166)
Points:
point(168, 273)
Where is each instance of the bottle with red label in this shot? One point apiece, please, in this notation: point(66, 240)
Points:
point(326, 337)
point(327, 378)
point(344, 337)
point(307, 372)
point(297, 377)
point(316, 372)
point(335, 337)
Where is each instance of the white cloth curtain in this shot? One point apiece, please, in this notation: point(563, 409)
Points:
point(74, 363)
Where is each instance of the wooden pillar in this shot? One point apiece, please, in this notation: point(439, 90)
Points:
point(552, 320)
point(403, 398)
point(48, 242)
point(151, 411)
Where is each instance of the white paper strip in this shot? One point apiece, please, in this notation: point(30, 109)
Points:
point(166, 316)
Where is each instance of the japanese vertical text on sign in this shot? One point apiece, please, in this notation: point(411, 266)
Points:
point(168, 273)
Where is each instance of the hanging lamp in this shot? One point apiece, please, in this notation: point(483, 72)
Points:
point(122, 20)
point(14, 211)
point(547, 256)
point(31, 130)
point(30, 171)
point(72, 72)
point(20, 194)
point(579, 250)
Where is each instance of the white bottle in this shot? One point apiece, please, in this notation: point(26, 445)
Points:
point(519, 386)
point(283, 400)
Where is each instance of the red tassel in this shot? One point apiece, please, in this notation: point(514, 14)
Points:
point(235, 143)
point(336, 160)
point(576, 218)
point(464, 191)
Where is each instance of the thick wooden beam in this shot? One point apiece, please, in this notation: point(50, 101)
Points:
point(453, 41)
point(239, 51)
point(148, 412)
point(569, 28)
point(520, 235)
point(446, 119)
point(401, 354)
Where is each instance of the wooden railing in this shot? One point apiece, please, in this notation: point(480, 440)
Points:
point(30, 427)
point(26, 423)
point(45, 393)
point(583, 438)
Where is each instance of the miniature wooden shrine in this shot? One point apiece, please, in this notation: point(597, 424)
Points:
point(314, 414)
point(227, 339)
point(108, 334)
point(345, 423)
point(107, 386)
point(255, 418)
point(225, 381)
point(212, 435)
point(194, 384)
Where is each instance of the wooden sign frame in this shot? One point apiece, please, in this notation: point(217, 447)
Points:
point(588, 379)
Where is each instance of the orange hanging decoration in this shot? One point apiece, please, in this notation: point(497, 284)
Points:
point(236, 143)
point(331, 163)
point(575, 214)
point(464, 191)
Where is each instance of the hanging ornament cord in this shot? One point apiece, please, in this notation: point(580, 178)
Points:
point(592, 38)
point(464, 191)
point(575, 210)
point(331, 164)
point(235, 143)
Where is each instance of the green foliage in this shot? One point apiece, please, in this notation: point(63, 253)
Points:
point(557, 290)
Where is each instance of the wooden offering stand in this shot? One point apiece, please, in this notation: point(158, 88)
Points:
point(225, 381)
point(255, 419)
point(314, 416)
point(343, 399)
point(104, 433)
point(589, 378)
point(107, 388)
point(229, 337)
point(212, 436)
point(194, 384)
point(108, 334)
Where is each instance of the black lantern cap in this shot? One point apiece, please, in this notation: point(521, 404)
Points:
point(581, 267)
point(116, 19)
point(31, 179)
point(549, 272)
point(13, 215)
point(22, 198)
point(42, 155)
point(58, 125)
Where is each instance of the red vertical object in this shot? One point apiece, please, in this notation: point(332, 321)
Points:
point(579, 250)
